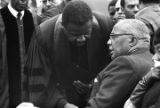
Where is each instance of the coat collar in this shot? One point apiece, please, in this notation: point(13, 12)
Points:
point(14, 12)
point(138, 50)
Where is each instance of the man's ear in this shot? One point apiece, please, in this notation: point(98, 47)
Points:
point(133, 41)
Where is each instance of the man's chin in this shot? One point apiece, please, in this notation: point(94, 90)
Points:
point(113, 56)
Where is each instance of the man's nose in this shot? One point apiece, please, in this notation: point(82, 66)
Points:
point(136, 9)
point(48, 3)
point(109, 42)
point(119, 11)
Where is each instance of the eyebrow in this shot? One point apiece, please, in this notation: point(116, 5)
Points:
point(129, 34)
point(122, 34)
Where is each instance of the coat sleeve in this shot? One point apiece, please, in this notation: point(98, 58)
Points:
point(116, 83)
point(156, 104)
point(141, 88)
point(43, 89)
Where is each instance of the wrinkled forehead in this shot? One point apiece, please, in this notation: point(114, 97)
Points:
point(119, 29)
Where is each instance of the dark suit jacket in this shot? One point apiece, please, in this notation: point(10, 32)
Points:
point(152, 96)
point(49, 58)
point(114, 84)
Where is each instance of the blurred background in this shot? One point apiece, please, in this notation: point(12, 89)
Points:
point(99, 5)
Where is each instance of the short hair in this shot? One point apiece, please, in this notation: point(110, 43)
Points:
point(156, 38)
point(122, 3)
point(112, 3)
point(149, 1)
point(135, 27)
point(76, 12)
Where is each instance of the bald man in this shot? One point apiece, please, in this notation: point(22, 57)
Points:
point(131, 61)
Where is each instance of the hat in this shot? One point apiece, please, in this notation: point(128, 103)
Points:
point(156, 38)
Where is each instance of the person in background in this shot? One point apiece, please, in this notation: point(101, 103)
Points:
point(146, 93)
point(119, 14)
point(46, 4)
point(16, 28)
point(68, 47)
point(62, 5)
point(3, 3)
point(130, 7)
point(150, 14)
point(47, 10)
point(50, 9)
point(112, 9)
point(131, 60)
point(32, 7)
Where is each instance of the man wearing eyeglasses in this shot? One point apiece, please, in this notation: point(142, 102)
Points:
point(66, 48)
point(131, 60)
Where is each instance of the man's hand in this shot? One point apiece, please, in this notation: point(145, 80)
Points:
point(69, 105)
point(81, 87)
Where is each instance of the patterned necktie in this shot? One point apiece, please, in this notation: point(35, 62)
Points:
point(22, 49)
point(19, 16)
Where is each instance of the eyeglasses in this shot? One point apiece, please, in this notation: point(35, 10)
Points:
point(123, 34)
point(127, 34)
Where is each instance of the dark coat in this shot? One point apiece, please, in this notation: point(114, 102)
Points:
point(152, 97)
point(113, 86)
point(49, 56)
point(4, 77)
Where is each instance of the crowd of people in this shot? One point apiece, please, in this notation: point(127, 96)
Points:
point(69, 56)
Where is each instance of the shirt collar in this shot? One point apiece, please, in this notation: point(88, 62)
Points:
point(14, 12)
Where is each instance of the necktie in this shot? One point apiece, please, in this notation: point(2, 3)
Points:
point(19, 16)
point(22, 49)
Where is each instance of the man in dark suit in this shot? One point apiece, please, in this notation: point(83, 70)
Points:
point(15, 35)
point(68, 47)
point(131, 60)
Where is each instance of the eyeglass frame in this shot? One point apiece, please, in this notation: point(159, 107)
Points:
point(123, 34)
